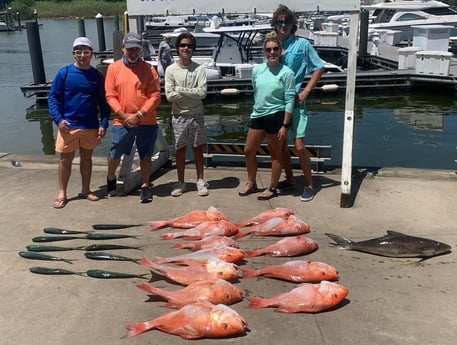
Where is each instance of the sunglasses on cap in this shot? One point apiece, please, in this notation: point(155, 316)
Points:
point(82, 52)
point(283, 22)
point(269, 49)
point(186, 45)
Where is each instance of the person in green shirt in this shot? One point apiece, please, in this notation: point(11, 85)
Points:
point(274, 93)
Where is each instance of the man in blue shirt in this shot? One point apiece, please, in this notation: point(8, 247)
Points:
point(302, 58)
point(76, 98)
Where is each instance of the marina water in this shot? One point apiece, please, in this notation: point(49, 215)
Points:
point(394, 129)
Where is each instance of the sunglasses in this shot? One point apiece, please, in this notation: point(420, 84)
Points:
point(283, 22)
point(82, 52)
point(186, 45)
point(275, 49)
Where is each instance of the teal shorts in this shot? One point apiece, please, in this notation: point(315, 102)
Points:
point(299, 122)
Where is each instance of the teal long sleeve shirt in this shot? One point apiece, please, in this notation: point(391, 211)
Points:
point(274, 89)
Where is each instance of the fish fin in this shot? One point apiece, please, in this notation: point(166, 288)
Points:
point(183, 245)
point(146, 262)
point(168, 236)
point(137, 328)
point(340, 241)
point(69, 261)
point(395, 233)
point(148, 288)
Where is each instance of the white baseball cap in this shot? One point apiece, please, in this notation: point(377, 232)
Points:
point(82, 41)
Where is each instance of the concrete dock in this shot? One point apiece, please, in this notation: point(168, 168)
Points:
point(391, 300)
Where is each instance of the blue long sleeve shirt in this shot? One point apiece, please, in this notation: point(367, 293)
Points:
point(274, 89)
point(78, 96)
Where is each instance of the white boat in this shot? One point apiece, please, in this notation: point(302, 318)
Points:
point(401, 15)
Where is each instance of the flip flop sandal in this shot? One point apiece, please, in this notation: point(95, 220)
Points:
point(60, 203)
point(89, 196)
point(248, 189)
point(267, 194)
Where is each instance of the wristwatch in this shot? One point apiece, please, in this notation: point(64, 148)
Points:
point(286, 125)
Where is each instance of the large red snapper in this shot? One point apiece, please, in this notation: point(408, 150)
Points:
point(198, 232)
point(210, 241)
point(288, 246)
point(228, 254)
point(191, 219)
point(213, 269)
point(216, 291)
point(277, 226)
point(264, 216)
point(195, 321)
point(306, 298)
point(298, 271)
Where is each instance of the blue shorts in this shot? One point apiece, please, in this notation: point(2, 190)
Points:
point(299, 122)
point(123, 139)
point(271, 124)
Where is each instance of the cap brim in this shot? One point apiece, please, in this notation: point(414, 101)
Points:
point(132, 45)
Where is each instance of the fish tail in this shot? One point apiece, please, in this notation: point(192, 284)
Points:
point(252, 253)
point(69, 261)
point(137, 328)
point(256, 303)
point(146, 262)
point(249, 273)
point(340, 241)
point(160, 260)
point(149, 288)
point(241, 234)
point(157, 224)
point(168, 236)
point(183, 245)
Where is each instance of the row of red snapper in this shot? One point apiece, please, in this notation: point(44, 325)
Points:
point(206, 272)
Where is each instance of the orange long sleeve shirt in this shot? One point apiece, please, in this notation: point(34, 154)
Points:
point(132, 89)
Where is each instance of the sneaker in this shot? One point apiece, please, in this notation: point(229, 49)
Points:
point(308, 194)
point(111, 187)
point(202, 188)
point(145, 195)
point(178, 189)
point(284, 186)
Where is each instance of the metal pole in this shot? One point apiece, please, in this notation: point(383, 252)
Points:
point(36, 55)
point(346, 200)
point(81, 28)
point(125, 23)
point(18, 20)
point(101, 32)
point(116, 22)
point(363, 43)
point(117, 40)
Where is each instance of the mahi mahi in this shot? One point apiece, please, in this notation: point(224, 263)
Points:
point(394, 244)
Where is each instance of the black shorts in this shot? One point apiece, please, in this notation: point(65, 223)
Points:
point(271, 124)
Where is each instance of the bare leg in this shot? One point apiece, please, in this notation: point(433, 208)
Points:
point(181, 163)
point(64, 173)
point(275, 147)
point(253, 141)
point(287, 163)
point(112, 166)
point(199, 162)
point(305, 162)
point(146, 166)
point(85, 168)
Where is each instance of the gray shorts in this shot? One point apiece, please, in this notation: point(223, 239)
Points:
point(188, 128)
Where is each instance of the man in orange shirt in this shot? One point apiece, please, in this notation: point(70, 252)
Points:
point(133, 93)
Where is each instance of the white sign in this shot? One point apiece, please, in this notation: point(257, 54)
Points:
point(162, 7)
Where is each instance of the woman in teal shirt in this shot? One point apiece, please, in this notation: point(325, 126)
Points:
point(274, 93)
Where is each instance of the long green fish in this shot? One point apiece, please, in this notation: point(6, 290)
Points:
point(103, 274)
point(53, 271)
point(59, 231)
point(38, 256)
point(114, 226)
point(102, 246)
point(54, 238)
point(42, 248)
point(106, 236)
point(108, 256)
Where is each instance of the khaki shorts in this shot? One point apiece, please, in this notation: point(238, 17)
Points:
point(76, 138)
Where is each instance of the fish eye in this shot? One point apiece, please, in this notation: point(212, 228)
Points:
point(225, 325)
